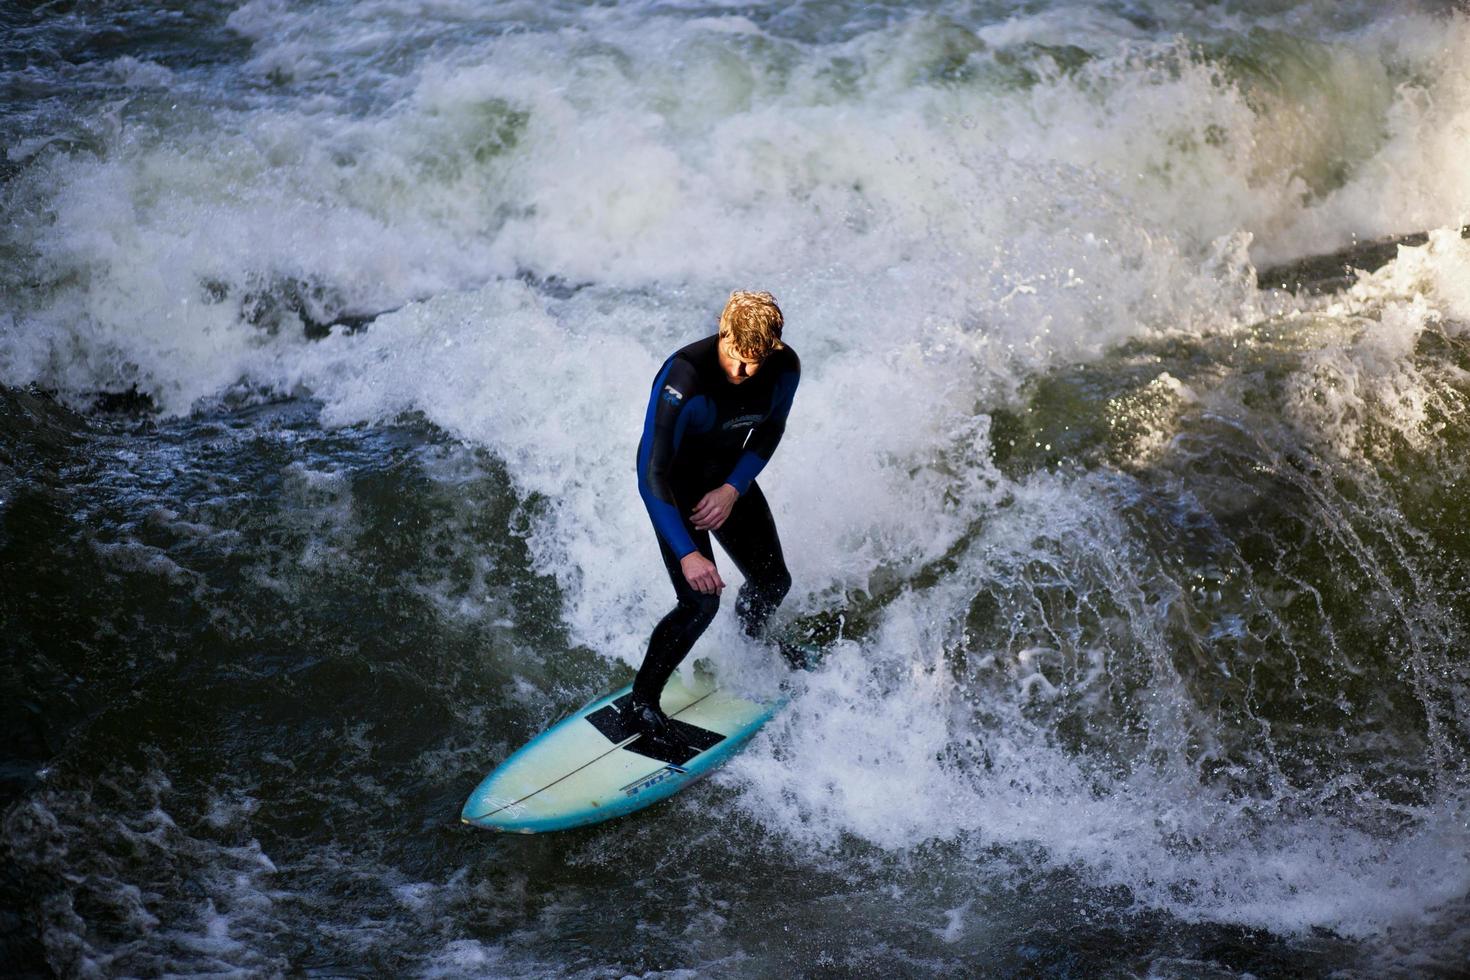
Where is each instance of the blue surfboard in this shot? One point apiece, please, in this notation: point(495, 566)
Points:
point(588, 768)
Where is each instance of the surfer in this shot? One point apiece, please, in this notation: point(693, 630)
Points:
point(716, 413)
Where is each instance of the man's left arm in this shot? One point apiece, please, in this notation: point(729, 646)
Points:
point(714, 508)
point(764, 439)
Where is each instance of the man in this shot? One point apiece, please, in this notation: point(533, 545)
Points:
point(715, 415)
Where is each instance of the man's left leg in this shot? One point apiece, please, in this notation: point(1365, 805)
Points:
point(749, 538)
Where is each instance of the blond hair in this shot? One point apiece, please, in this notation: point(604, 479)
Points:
point(752, 322)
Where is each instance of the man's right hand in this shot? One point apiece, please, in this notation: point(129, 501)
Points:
point(701, 573)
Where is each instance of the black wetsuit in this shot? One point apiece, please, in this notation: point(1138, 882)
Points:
point(701, 431)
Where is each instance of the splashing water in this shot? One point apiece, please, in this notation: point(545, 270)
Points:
point(1149, 577)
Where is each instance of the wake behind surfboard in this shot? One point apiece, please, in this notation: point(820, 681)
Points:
point(588, 768)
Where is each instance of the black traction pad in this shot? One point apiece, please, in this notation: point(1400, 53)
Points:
point(609, 721)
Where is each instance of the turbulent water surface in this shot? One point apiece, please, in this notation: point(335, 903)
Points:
point(325, 337)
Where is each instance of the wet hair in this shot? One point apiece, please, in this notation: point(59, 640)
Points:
point(752, 322)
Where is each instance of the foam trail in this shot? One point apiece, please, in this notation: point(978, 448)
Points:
point(1129, 538)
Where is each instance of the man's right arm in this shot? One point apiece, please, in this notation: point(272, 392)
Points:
point(663, 430)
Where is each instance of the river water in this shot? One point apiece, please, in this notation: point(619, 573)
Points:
point(325, 339)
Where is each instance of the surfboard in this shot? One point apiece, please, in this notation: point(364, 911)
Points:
point(588, 767)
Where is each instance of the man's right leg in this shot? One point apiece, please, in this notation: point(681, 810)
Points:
point(675, 634)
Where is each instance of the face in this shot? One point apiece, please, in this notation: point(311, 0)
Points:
point(737, 367)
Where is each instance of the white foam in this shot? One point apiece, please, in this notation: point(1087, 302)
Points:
point(1362, 372)
point(139, 73)
point(892, 744)
point(1058, 217)
point(933, 245)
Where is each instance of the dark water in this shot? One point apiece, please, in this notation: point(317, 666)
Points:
point(286, 744)
point(324, 338)
point(246, 721)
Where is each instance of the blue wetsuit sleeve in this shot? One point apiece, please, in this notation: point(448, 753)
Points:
point(761, 445)
point(663, 429)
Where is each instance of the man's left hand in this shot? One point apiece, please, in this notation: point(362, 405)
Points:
point(714, 508)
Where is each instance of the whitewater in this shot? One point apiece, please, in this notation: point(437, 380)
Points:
point(1127, 479)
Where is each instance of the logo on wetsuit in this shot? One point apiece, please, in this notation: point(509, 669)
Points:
point(743, 422)
point(672, 395)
